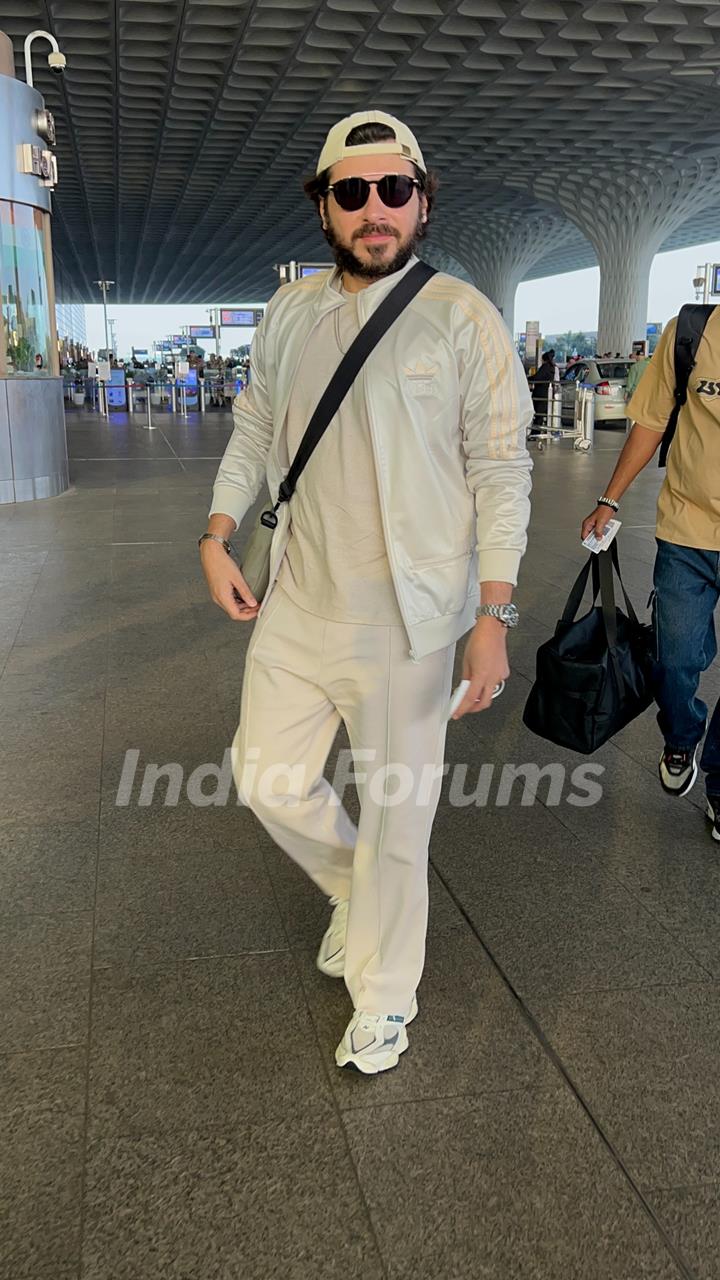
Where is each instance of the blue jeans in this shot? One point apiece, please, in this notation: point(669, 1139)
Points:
point(687, 589)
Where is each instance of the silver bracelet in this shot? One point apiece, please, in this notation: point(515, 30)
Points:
point(608, 502)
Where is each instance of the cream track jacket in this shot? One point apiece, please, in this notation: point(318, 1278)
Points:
point(448, 408)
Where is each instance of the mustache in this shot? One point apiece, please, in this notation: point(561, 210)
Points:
point(375, 229)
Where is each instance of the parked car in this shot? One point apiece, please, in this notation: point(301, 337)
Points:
point(608, 378)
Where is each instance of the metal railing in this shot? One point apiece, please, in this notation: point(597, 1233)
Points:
point(174, 394)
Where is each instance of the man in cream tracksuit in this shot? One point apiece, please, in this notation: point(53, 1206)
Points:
point(411, 512)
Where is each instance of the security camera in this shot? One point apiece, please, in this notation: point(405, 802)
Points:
point(57, 62)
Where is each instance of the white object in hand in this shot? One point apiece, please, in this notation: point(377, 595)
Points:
point(593, 543)
point(460, 692)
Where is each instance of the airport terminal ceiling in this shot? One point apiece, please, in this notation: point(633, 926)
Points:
point(185, 127)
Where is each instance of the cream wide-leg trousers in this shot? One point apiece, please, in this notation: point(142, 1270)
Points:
point(303, 675)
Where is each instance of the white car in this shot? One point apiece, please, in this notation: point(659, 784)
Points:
point(608, 378)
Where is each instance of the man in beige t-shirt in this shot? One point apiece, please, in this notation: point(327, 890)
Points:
point(687, 566)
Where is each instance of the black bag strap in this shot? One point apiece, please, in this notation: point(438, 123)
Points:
point(352, 362)
point(607, 598)
point(577, 591)
point(691, 324)
point(603, 565)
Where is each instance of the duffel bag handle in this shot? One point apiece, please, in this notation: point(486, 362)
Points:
point(616, 565)
point(594, 561)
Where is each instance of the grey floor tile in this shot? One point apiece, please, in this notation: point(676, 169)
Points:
point(278, 1201)
point(44, 980)
point(691, 1215)
point(552, 918)
point(202, 1044)
point(60, 660)
point(137, 473)
point(667, 1135)
point(659, 1036)
point(46, 868)
point(49, 726)
point(42, 623)
point(676, 876)
point(647, 1063)
point(42, 1102)
point(173, 886)
point(48, 786)
point(38, 1088)
point(20, 567)
point(508, 1185)
point(189, 748)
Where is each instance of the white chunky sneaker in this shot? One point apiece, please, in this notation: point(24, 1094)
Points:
point(331, 956)
point(373, 1042)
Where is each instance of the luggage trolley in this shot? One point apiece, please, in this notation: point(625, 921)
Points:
point(582, 432)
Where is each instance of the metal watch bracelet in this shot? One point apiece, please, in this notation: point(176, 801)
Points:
point(608, 502)
point(505, 613)
point(215, 537)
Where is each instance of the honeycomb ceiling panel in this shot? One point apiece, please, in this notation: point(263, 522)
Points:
point(185, 128)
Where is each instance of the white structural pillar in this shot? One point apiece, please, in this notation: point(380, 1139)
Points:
point(627, 215)
point(498, 250)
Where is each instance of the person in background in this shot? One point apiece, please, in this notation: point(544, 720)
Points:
point(547, 373)
point(635, 372)
point(639, 364)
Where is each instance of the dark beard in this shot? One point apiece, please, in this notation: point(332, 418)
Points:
point(347, 261)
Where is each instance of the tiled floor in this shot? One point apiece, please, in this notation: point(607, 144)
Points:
point(169, 1103)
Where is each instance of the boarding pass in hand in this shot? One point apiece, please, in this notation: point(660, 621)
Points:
point(593, 543)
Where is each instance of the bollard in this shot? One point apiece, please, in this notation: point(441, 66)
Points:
point(202, 395)
point(556, 418)
point(149, 424)
point(130, 398)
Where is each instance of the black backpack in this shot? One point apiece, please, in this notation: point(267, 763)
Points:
point(691, 324)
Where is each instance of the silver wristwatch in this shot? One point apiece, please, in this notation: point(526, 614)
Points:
point(505, 613)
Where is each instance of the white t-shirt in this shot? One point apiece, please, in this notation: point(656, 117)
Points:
point(336, 563)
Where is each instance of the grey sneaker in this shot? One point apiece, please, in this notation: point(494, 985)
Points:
point(678, 771)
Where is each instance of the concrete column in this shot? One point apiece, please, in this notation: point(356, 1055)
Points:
point(625, 260)
point(498, 250)
point(627, 215)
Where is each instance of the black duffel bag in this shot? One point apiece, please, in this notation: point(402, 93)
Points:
point(596, 674)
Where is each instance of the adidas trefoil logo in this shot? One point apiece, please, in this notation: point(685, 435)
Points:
point(420, 370)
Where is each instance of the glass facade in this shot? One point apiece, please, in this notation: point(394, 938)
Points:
point(71, 324)
point(28, 343)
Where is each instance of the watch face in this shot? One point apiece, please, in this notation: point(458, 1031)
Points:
point(510, 615)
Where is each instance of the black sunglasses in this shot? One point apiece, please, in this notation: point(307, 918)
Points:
point(394, 189)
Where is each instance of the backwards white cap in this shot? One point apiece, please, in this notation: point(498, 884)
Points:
point(403, 144)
